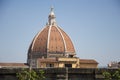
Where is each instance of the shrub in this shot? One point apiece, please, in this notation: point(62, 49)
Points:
point(30, 75)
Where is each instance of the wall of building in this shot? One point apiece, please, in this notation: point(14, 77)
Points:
point(59, 73)
point(59, 62)
point(68, 59)
point(86, 65)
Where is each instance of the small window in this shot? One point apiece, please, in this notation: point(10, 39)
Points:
point(68, 65)
point(49, 65)
point(70, 56)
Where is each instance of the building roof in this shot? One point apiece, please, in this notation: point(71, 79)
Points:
point(13, 65)
point(47, 60)
point(52, 39)
point(84, 61)
point(57, 60)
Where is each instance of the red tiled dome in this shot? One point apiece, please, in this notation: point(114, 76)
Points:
point(52, 41)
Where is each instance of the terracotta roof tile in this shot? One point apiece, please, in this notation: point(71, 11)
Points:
point(48, 60)
point(13, 64)
point(52, 39)
point(88, 61)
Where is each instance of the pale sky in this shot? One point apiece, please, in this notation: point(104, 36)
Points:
point(93, 26)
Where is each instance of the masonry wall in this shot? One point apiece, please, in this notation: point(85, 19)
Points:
point(59, 73)
point(86, 65)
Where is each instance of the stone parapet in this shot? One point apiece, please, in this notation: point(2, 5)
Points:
point(59, 73)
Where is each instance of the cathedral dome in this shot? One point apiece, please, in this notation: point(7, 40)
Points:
point(52, 41)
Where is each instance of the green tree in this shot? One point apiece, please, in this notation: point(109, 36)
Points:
point(112, 75)
point(107, 75)
point(116, 75)
point(31, 74)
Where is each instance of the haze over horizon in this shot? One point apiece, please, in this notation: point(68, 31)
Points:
point(93, 26)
